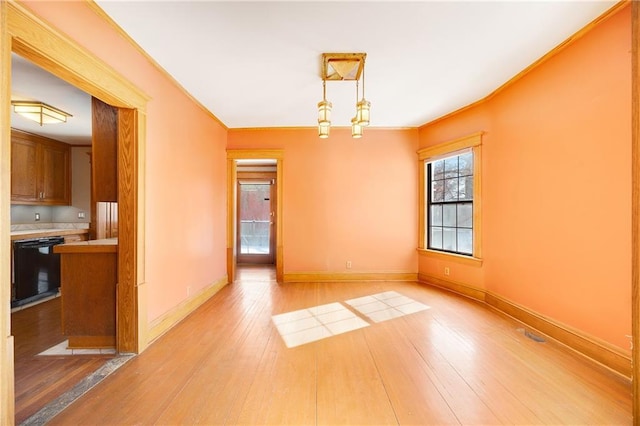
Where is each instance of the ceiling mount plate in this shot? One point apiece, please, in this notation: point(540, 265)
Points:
point(342, 66)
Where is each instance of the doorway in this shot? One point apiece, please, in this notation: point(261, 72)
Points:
point(256, 217)
point(265, 168)
point(27, 36)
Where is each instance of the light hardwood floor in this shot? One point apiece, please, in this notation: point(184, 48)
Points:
point(455, 363)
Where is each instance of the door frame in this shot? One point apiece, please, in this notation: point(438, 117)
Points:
point(635, 207)
point(24, 33)
point(232, 197)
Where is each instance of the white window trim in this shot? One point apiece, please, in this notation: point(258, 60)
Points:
point(427, 155)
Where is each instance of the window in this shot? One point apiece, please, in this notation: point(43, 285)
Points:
point(450, 199)
point(450, 204)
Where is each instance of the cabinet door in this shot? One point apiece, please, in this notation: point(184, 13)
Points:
point(24, 171)
point(55, 175)
point(104, 157)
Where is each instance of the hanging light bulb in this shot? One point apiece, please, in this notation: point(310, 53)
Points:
point(356, 127)
point(324, 107)
point(363, 107)
point(323, 131)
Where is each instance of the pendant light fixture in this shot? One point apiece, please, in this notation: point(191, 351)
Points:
point(343, 67)
point(324, 113)
point(356, 127)
point(363, 107)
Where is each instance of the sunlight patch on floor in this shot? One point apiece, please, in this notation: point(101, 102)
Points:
point(319, 322)
point(385, 306)
point(323, 321)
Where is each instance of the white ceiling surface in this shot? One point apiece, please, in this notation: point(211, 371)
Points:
point(31, 83)
point(257, 64)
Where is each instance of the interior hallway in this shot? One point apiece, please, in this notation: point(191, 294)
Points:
point(453, 363)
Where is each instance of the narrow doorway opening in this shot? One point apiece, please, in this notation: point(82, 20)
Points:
point(258, 174)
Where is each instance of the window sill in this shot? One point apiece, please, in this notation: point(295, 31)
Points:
point(465, 260)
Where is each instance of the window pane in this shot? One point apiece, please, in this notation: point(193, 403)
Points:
point(449, 215)
point(449, 239)
point(451, 167)
point(465, 164)
point(436, 238)
point(465, 188)
point(437, 170)
point(465, 241)
point(437, 191)
point(465, 215)
point(436, 215)
point(451, 189)
point(449, 210)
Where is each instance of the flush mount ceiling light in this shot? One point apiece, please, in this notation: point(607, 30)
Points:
point(40, 112)
point(343, 67)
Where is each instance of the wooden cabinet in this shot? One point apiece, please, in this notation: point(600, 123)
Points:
point(40, 170)
point(88, 275)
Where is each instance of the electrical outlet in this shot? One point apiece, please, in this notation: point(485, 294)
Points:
point(80, 215)
point(348, 264)
point(37, 216)
point(446, 270)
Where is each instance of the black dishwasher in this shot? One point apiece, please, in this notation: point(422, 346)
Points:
point(36, 270)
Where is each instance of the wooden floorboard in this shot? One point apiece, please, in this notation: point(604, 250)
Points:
point(41, 379)
point(455, 363)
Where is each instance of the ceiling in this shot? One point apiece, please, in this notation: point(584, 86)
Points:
point(258, 64)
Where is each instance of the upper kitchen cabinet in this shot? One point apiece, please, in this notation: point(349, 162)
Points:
point(104, 160)
point(40, 170)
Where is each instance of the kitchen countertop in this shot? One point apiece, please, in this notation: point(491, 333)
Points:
point(106, 245)
point(49, 232)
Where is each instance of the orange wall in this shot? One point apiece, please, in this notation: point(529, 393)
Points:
point(345, 199)
point(185, 159)
point(557, 185)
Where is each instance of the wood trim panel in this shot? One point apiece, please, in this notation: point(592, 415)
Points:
point(127, 294)
point(255, 154)
point(635, 204)
point(602, 352)
point(165, 322)
point(232, 197)
point(454, 286)
point(450, 147)
point(348, 277)
point(422, 200)
point(7, 389)
point(450, 257)
point(41, 44)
